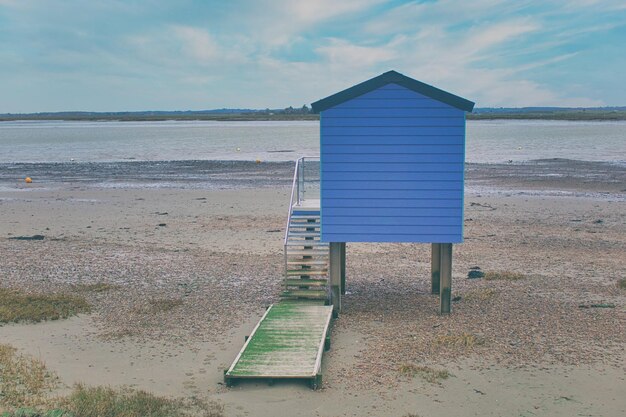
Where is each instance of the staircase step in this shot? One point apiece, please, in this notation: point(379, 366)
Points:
point(307, 262)
point(306, 272)
point(310, 243)
point(295, 282)
point(296, 215)
point(308, 294)
point(311, 233)
point(312, 226)
point(314, 251)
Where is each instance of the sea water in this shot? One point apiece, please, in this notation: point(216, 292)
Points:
point(195, 154)
point(495, 141)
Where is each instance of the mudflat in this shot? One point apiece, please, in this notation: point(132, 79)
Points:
point(188, 271)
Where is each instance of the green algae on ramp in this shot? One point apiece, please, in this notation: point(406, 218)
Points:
point(288, 342)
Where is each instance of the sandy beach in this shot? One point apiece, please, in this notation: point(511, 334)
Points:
point(539, 347)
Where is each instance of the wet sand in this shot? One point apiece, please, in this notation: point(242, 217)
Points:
point(220, 253)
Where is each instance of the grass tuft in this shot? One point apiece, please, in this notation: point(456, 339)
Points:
point(94, 288)
point(482, 294)
point(503, 276)
point(434, 376)
point(24, 381)
point(117, 334)
point(465, 340)
point(17, 306)
point(109, 402)
point(163, 305)
point(622, 283)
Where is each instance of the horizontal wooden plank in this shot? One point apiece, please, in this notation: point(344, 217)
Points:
point(308, 272)
point(352, 202)
point(391, 211)
point(410, 103)
point(314, 295)
point(303, 233)
point(426, 129)
point(333, 176)
point(445, 158)
point(453, 185)
point(393, 112)
point(323, 262)
point(355, 140)
point(393, 230)
point(308, 252)
point(334, 149)
point(330, 220)
point(392, 121)
point(328, 166)
point(368, 237)
point(306, 282)
point(392, 194)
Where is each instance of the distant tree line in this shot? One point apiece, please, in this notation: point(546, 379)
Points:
point(290, 110)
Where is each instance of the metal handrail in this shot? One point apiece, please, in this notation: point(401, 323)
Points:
point(295, 189)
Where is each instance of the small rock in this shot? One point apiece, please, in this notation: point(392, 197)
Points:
point(475, 274)
point(33, 237)
point(457, 298)
point(599, 305)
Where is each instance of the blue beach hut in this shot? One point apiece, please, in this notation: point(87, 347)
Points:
point(392, 154)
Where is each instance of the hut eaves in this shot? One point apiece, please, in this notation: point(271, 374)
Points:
point(395, 78)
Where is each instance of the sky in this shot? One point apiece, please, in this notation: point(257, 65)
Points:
point(131, 55)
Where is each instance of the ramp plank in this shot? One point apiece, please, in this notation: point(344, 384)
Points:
point(288, 342)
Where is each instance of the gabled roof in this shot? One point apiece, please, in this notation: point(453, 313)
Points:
point(388, 78)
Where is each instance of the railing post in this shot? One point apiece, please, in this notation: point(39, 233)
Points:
point(303, 184)
point(298, 191)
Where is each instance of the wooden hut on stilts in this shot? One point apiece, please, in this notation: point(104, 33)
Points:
point(392, 153)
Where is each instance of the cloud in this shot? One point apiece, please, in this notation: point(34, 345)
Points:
point(275, 53)
point(340, 52)
point(197, 43)
point(312, 12)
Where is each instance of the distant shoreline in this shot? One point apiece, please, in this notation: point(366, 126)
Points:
point(617, 114)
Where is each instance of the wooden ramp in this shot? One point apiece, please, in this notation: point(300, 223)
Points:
point(288, 342)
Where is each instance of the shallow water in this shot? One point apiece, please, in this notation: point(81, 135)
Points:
point(487, 141)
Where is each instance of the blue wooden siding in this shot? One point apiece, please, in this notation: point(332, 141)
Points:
point(392, 169)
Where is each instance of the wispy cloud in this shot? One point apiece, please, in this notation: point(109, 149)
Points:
point(269, 53)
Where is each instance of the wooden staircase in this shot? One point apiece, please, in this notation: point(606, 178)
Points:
point(306, 258)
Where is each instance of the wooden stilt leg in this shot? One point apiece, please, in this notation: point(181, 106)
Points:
point(335, 276)
point(435, 261)
point(445, 271)
point(343, 268)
